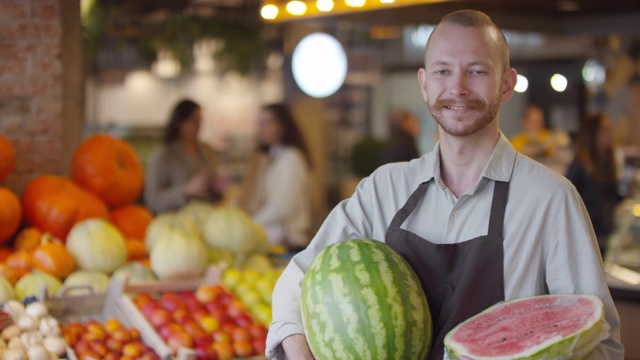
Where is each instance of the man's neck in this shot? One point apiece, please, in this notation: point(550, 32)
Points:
point(463, 159)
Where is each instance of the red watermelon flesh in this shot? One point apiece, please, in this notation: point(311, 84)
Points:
point(541, 327)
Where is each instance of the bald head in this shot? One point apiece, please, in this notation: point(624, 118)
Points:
point(473, 18)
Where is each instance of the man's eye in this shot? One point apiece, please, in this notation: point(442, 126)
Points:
point(441, 72)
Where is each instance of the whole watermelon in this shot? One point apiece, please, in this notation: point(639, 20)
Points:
point(362, 300)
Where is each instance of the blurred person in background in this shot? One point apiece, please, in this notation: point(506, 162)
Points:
point(402, 143)
point(594, 173)
point(276, 189)
point(181, 168)
point(535, 140)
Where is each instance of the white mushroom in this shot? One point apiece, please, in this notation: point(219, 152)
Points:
point(49, 326)
point(55, 345)
point(36, 310)
point(15, 343)
point(38, 352)
point(10, 332)
point(14, 354)
point(31, 338)
point(27, 323)
point(13, 308)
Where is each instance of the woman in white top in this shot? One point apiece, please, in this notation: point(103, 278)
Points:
point(276, 191)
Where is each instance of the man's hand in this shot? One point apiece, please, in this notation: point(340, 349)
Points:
point(296, 347)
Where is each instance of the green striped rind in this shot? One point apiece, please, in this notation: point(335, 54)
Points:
point(361, 300)
point(575, 346)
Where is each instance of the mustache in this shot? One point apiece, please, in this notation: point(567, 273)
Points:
point(473, 104)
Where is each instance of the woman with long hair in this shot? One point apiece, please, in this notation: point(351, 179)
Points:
point(276, 188)
point(182, 167)
point(594, 174)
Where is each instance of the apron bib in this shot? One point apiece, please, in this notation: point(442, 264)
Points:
point(459, 280)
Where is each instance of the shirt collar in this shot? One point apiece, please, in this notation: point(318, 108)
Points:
point(498, 168)
point(276, 150)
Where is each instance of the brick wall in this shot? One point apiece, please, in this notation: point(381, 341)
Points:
point(32, 85)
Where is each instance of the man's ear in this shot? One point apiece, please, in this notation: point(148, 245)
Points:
point(422, 79)
point(509, 80)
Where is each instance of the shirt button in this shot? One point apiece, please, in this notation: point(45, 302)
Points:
point(456, 213)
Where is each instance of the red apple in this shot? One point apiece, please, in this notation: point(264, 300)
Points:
point(207, 293)
point(257, 331)
point(243, 320)
point(99, 348)
point(112, 356)
point(220, 315)
point(214, 305)
point(181, 316)
point(133, 348)
point(199, 314)
point(259, 345)
point(178, 340)
point(202, 338)
point(225, 298)
point(223, 349)
point(166, 330)
point(149, 354)
point(172, 303)
point(114, 345)
point(191, 327)
point(123, 335)
point(135, 333)
point(243, 348)
point(141, 299)
point(187, 294)
point(193, 304)
point(149, 308)
point(82, 346)
point(111, 325)
point(96, 329)
point(205, 352)
point(235, 309)
point(239, 334)
point(221, 336)
point(160, 317)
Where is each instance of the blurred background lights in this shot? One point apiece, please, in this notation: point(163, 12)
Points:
point(559, 82)
point(166, 66)
point(324, 5)
point(355, 3)
point(269, 12)
point(594, 74)
point(522, 84)
point(319, 65)
point(296, 7)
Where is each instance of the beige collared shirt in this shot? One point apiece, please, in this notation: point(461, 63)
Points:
point(549, 244)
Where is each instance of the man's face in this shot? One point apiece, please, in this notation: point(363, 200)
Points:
point(463, 81)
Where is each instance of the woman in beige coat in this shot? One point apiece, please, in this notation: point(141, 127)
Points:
point(182, 167)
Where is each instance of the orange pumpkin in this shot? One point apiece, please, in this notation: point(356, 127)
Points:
point(54, 204)
point(10, 214)
point(21, 262)
point(8, 274)
point(4, 253)
point(28, 239)
point(109, 168)
point(135, 249)
point(131, 220)
point(7, 158)
point(53, 258)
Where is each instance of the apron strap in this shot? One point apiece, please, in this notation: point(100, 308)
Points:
point(408, 207)
point(498, 206)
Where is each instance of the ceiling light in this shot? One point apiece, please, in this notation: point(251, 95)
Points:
point(355, 3)
point(559, 82)
point(387, 1)
point(296, 7)
point(324, 5)
point(594, 74)
point(522, 84)
point(269, 12)
point(319, 65)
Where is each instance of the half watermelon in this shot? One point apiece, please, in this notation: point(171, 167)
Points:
point(540, 327)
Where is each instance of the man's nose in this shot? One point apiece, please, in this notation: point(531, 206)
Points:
point(459, 85)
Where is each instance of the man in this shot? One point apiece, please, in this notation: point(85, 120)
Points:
point(523, 228)
point(535, 140)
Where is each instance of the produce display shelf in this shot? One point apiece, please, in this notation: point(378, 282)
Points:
point(117, 303)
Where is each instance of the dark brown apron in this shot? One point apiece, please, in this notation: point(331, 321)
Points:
point(460, 280)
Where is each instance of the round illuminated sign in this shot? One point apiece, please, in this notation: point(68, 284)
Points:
point(319, 65)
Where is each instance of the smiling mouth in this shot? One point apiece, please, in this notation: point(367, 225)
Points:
point(457, 108)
